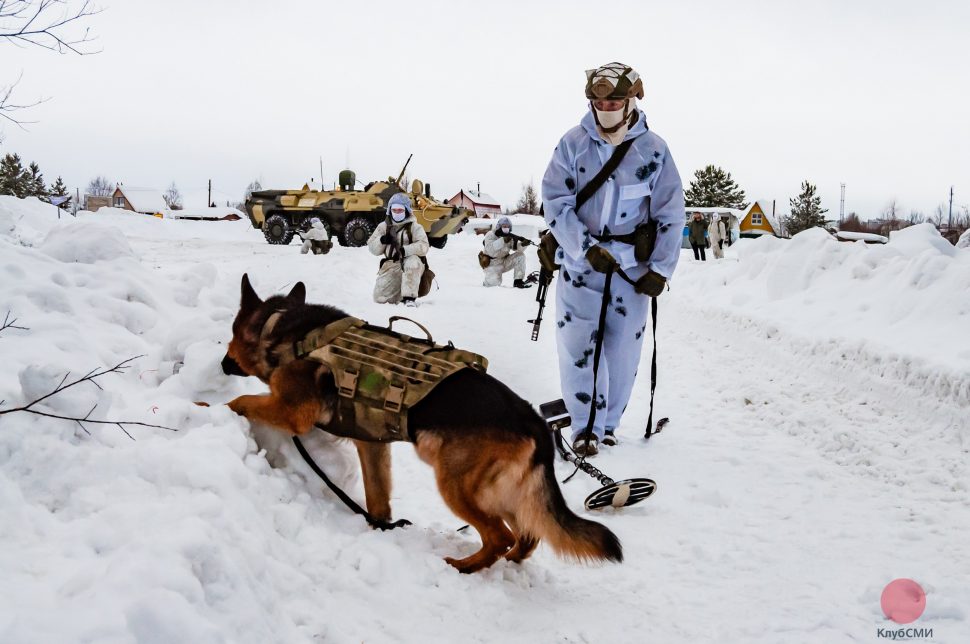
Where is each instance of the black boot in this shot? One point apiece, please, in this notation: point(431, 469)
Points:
point(521, 284)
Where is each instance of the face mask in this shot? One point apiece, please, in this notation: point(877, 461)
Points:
point(506, 231)
point(398, 216)
point(609, 119)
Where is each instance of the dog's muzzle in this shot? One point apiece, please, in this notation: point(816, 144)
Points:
point(231, 368)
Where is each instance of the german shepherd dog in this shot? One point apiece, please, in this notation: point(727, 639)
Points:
point(491, 452)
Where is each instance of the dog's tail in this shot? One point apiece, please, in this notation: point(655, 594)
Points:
point(545, 515)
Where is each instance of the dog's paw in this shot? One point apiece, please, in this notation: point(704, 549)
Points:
point(389, 525)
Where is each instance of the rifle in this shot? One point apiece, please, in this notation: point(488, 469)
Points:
point(545, 278)
point(522, 240)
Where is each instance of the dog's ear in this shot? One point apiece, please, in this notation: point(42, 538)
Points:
point(249, 299)
point(298, 293)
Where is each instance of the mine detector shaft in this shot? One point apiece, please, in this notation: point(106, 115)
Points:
point(350, 215)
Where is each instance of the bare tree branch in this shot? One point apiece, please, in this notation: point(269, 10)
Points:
point(8, 107)
point(88, 377)
point(38, 22)
point(11, 324)
point(48, 24)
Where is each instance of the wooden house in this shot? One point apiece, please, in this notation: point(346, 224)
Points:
point(147, 201)
point(482, 204)
point(759, 219)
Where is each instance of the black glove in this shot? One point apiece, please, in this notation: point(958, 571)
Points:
point(601, 260)
point(651, 284)
point(387, 239)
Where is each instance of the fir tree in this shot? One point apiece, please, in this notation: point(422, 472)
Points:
point(58, 189)
point(529, 201)
point(712, 187)
point(12, 176)
point(806, 211)
point(34, 182)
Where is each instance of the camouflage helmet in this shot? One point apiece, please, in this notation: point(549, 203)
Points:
point(613, 81)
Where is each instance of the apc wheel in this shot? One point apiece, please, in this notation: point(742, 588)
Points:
point(357, 231)
point(438, 242)
point(277, 230)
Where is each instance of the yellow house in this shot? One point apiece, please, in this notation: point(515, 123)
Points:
point(759, 220)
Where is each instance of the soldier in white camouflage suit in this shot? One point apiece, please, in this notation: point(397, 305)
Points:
point(402, 242)
point(505, 254)
point(644, 187)
point(316, 239)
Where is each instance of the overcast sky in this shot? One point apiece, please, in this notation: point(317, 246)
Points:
point(875, 94)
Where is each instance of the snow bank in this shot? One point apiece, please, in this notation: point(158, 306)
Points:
point(85, 243)
point(27, 221)
point(902, 307)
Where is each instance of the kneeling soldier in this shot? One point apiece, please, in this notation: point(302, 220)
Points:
point(403, 243)
point(316, 239)
point(504, 253)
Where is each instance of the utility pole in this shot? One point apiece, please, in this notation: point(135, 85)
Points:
point(949, 220)
point(321, 173)
point(842, 206)
point(209, 202)
point(479, 189)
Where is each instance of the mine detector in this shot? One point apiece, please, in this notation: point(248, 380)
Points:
point(348, 214)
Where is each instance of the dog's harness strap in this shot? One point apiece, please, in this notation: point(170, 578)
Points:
point(394, 408)
point(349, 502)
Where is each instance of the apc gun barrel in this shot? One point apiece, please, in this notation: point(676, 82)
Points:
point(400, 176)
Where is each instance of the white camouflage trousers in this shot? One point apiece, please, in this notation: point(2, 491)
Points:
point(578, 301)
point(393, 284)
point(514, 262)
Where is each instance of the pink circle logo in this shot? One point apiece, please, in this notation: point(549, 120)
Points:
point(903, 601)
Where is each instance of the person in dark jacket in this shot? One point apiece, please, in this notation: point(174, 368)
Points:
point(697, 233)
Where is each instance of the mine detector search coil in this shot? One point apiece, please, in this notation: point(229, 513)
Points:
point(618, 494)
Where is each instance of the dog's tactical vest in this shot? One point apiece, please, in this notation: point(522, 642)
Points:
point(380, 374)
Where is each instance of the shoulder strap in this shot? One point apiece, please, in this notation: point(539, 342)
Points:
point(611, 164)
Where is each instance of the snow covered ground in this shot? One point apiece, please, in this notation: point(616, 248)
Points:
point(819, 396)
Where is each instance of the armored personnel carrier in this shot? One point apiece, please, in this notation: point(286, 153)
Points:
point(350, 215)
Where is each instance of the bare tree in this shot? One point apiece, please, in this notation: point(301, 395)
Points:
point(529, 201)
point(100, 187)
point(939, 214)
point(254, 186)
point(891, 212)
point(50, 24)
point(172, 197)
point(916, 217)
